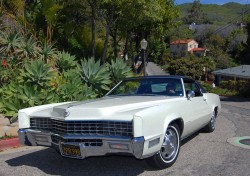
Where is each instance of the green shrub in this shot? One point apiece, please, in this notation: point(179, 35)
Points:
point(71, 88)
point(241, 87)
point(207, 87)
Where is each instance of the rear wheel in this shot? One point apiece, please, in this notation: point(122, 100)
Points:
point(170, 148)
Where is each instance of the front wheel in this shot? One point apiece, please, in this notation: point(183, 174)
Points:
point(170, 148)
point(211, 125)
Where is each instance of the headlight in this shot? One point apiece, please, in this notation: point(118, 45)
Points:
point(138, 132)
point(23, 120)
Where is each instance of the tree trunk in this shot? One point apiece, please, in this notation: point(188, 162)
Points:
point(93, 25)
point(126, 47)
point(109, 23)
point(105, 44)
point(115, 43)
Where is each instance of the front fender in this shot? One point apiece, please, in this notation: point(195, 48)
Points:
point(152, 123)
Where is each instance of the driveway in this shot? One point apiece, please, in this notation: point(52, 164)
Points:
point(202, 154)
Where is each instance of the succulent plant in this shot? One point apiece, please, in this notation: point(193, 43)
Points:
point(95, 75)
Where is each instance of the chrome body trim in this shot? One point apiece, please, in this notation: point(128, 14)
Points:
point(38, 138)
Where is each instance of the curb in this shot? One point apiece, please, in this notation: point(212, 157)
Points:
point(9, 143)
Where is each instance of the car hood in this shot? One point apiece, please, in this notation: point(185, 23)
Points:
point(106, 108)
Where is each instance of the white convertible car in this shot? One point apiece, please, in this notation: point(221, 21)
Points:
point(146, 117)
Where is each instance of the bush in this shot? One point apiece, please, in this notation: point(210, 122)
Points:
point(207, 87)
point(240, 88)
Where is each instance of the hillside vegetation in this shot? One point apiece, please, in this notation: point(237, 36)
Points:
point(219, 14)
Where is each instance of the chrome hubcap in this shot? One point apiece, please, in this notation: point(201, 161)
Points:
point(170, 145)
point(213, 121)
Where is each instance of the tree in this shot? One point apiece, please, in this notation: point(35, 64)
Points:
point(245, 54)
point(191, 67)
point(195, 14)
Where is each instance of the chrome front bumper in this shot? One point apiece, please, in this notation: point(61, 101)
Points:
point(110, 145)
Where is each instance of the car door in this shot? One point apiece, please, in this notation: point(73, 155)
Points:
point(196, 111)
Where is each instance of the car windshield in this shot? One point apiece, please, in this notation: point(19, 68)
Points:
point(149, 87)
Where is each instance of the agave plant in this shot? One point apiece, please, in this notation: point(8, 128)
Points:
point(95, 75)
point(65, 61)
point(10, 107)
point(29, 48)
point(47, 52)
point(36, 73)
point(119, 70)
point(10, 103)
point(72, 88)
point(10, 42)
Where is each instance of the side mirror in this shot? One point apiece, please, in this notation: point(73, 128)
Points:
point(190, 94)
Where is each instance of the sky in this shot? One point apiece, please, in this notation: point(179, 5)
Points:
point(213, 1)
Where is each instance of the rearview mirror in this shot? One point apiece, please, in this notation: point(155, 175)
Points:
point(190, 94)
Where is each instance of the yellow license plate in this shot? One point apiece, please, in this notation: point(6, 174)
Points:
point(71, 150)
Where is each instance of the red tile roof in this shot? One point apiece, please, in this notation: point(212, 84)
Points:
point(198, 49)
point(181, 41)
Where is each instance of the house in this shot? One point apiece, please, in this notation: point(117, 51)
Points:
point(183, 46)
point(235, 73)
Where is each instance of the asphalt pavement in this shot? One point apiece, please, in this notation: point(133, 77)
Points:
point(203, 154)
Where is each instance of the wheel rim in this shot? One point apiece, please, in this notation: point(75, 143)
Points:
point(213, 121)
point(170, 145)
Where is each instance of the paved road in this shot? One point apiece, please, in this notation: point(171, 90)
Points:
point(153, 69)
point(203, 154)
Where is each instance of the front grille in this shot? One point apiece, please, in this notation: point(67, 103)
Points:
point(40, 123)
point(86, 142)
point(100, 128)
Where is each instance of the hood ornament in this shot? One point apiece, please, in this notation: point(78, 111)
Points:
point(66, 113)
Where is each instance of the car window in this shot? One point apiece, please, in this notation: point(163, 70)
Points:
point(149, 86)
point(192, 86)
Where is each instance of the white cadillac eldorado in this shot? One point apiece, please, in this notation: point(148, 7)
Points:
point(146, 117)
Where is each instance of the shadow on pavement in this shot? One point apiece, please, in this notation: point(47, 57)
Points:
point(50, 162)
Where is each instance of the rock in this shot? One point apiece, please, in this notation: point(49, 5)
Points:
point(12, 131)
point(4, 121)
point(15, 124)
point(2, 132)
point(5, 128)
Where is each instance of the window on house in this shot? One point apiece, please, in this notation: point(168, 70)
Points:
point(190, 46)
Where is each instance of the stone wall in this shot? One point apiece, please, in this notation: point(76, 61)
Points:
point(6, 128)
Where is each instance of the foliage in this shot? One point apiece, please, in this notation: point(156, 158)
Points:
point(65, 61)
point(244, 55)
point(195, 14)
point(95, 75)
point(241, 87)
point(29, 48)
point(229, 88)
point(190, 67)
point(16, 96)
point(69, 87)
point(156, 50)
point(218, 14)
point(36, 73)
point(9, 42)
point(47, 52)
point(224, 92)
point(119, 70)
point(208, 87)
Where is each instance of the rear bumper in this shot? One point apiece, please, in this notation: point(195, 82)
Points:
point(106, 144)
